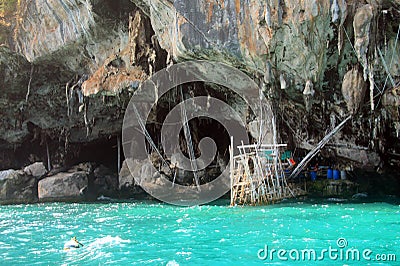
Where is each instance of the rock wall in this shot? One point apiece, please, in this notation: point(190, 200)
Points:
point(288, 36)
point(292, 46)
point(69, 68)
point(57, 53)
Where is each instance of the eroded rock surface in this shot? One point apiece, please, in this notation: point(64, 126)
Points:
point(17, 187)
point(362, 25)
point(69, 68)
point(63, 187)
point(36, 169)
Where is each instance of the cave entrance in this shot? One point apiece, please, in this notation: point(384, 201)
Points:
point(200, 127)
point(103, 151)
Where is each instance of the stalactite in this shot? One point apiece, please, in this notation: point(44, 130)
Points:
point(371, 86)
point(308, 94)
point(80, 99)
point(29, 85)
point(86, 119)
point(335, 11)
point(267, 17)
point(67, 97)
point(280, 11)
point(397, 127)
point(283, 82)
point(134, 22)
point(309, 88)
point(268, 74)
point(151, 61)
point(332, 119)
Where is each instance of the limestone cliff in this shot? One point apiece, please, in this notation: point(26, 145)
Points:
point(68, 69)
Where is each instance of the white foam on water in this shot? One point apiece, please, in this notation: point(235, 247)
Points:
point(183, 231)
point(172, 263)
point(336, 199)
point(108, 240)
point(183, 253)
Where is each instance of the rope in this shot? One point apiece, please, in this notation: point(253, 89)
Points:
point(386, 68)
point(354, 50)
point(189, 142)
point(148, 137)
point(391, 59)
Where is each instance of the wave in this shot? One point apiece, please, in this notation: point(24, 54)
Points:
point(109, 240)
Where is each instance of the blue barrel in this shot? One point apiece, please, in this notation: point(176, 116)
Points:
point(336, 174)
point(313, 175)
point(329, 174)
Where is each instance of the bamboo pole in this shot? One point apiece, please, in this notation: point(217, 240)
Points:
point(118, 154)
point(48, 157)
point(231, 164)
point(260, 147)
point(315, 151)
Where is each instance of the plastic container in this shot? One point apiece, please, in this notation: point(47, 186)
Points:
point(329, 173)
point(343, 175)
point(336, 174)
point(313, 175)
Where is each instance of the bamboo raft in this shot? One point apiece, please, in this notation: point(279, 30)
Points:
point(258, 175)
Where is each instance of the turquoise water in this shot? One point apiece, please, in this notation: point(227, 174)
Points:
point(149, 233)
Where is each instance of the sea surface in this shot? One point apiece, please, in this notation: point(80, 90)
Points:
point(152, 233)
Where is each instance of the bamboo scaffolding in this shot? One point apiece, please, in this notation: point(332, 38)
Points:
point(257, 175)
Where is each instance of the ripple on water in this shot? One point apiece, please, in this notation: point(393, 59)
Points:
point(152, 233)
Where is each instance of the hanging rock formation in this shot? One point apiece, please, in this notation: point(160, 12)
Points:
point(353, 90)
point(362, 24)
